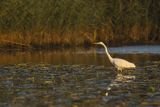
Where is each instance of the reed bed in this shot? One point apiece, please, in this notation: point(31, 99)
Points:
point(52, 23)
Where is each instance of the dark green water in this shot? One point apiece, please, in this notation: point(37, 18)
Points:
point(80, 78)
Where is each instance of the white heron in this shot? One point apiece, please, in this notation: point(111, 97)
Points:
point(118, 63)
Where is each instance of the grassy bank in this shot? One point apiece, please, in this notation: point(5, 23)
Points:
point(46, 24)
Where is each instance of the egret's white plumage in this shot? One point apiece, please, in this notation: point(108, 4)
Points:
point(120, 64)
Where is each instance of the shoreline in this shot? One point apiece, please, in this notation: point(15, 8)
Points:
point(65, 47)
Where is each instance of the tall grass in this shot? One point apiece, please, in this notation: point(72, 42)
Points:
point(49, 23)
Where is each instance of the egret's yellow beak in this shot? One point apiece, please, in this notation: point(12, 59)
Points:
point(96, 43)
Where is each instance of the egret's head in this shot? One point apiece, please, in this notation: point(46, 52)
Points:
point(99, 43)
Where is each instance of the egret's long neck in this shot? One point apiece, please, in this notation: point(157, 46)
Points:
point(106, 50)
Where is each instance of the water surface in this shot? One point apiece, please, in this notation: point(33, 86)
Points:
point(91, 56)
point(80, 78)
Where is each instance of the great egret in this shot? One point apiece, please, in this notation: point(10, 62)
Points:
point(120, 64)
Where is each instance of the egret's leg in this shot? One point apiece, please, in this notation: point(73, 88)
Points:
point(119, 69)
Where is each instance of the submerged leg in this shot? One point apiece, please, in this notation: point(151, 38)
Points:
point(118, 69)
point(121, 70)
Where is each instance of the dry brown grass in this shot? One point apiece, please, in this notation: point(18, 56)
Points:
point(52, 39)
point(45, 39)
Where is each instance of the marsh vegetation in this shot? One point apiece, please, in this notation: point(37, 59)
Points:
point(34, 75)
point(46, 24)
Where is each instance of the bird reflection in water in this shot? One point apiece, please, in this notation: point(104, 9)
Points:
point(120, 80)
